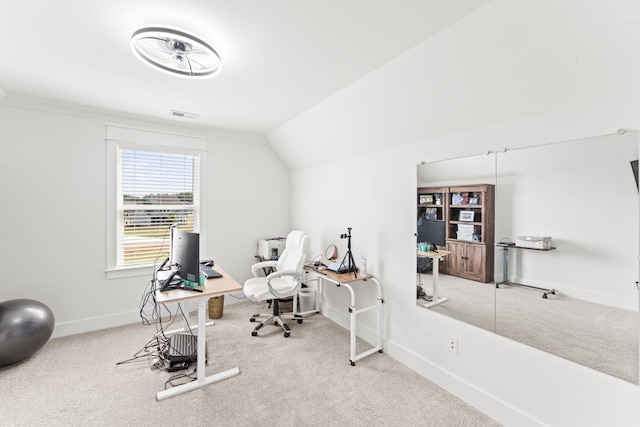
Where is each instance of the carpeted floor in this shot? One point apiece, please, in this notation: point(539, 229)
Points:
point(595, 335)
point(303, 380)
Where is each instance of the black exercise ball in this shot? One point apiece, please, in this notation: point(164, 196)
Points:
point(25, 326)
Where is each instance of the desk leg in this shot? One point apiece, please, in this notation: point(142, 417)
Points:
point(202, 342)
point(319, 295)
point(352, 315)
point(352, 325)
point(505, 267)
point(380, 317)
point(435, 271)
point(505, 277)
point(316, 303)
point(202, 379)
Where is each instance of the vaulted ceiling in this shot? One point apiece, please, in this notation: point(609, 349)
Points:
point(280, 57)
point(346, 76)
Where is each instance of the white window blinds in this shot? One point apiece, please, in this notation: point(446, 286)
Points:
point(155, 190)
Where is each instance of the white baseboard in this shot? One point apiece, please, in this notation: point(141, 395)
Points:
point(110, 321)
point(95, 323)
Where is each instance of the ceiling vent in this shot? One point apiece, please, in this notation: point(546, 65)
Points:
point(184, 114)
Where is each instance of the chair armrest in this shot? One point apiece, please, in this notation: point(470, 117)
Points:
point(263, 264)
point(292, 273)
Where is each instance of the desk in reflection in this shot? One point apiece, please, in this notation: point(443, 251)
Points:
point(436, 257)
point(505, 268)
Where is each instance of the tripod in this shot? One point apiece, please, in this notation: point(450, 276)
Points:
point(351, 264)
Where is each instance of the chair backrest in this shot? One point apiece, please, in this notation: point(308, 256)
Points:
point(295, 252)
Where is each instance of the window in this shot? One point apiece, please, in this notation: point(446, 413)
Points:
point(154, 184)
point(155, 190)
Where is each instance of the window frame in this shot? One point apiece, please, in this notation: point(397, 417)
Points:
point(154, 141)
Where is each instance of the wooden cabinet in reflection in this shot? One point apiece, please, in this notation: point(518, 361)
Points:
point(467, 215)
point(470, 231)
point(469, 261)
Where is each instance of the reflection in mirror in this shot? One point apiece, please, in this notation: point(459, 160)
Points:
point(581, 299)
point(575, 296)
point(455, 216)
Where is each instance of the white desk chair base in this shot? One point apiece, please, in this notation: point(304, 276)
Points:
point(276, 318)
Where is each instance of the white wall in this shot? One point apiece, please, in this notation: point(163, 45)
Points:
point(517, 385)
point(53, 192)
point(513, 74)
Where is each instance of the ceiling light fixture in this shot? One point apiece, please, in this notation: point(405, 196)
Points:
point(175, 52)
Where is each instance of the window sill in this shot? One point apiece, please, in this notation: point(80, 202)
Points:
point(123, 272)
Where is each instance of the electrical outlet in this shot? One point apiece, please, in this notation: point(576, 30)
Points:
point(453, 345)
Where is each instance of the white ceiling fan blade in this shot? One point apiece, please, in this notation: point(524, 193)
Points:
point(195, 64)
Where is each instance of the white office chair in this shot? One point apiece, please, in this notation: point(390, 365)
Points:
point(284, 282)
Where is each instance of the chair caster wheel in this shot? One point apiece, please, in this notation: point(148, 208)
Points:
point(353, 363)
point(254, 334)
point(252, 320)
point(299, 321)
point(286, 334)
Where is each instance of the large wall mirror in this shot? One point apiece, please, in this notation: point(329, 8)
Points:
point(574, 295)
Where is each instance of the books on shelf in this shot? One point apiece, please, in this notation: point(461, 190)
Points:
point(426, 199)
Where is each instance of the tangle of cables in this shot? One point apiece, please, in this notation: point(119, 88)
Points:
point(162, 316)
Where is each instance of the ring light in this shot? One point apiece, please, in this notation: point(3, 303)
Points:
point(331, 252)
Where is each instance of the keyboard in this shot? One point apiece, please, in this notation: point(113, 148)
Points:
point(209, 272)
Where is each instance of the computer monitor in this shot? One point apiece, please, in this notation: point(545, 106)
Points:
point(185, 255)
point(432, 232)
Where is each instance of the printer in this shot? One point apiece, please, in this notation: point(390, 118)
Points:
point(271, 248)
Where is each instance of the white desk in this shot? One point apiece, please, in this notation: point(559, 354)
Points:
point(436, 257)
point(345, 280)
point(212, 288)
